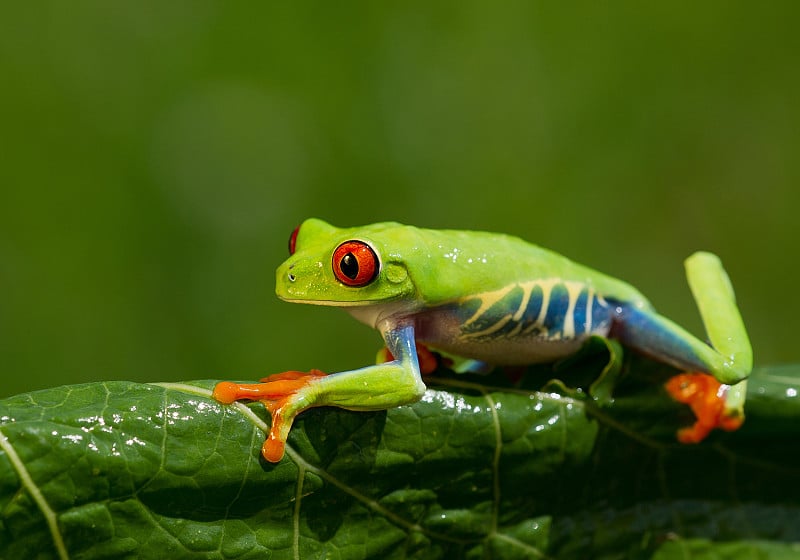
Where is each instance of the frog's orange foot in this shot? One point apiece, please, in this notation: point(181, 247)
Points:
point(282, 396)
point(706, 397)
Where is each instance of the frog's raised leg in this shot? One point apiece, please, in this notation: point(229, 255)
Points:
point(729, 359)
point(377, 387)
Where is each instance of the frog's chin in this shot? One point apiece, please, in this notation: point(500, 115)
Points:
point(369, 312)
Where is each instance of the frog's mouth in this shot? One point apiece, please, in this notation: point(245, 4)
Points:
point(344, 303)
point(330, 302)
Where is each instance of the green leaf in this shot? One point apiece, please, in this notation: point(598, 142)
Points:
point(480, 468)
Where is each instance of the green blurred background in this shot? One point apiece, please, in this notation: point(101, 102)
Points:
point(155, 156)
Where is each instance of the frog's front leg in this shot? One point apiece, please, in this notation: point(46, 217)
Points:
point(376, 387)
point(718, 402)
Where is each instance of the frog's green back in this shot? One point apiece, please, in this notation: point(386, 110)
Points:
point(446, 265)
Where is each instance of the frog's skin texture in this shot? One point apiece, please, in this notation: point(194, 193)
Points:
point(493, 298)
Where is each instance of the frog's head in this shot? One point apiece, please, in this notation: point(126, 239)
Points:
point(346, 267)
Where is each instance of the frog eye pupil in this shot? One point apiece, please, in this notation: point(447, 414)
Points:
point(349, 266)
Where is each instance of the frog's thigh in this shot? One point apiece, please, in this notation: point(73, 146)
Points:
point(654, 335)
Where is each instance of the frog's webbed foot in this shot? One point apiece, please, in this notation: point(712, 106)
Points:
point(707, 398)
point(284, 395)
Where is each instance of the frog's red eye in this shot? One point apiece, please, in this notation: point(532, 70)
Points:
point(293, 240)
point(355, 264)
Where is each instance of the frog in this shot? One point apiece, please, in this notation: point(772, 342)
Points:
point(490, 298)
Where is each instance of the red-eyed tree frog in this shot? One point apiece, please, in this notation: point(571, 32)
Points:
point(495, 299)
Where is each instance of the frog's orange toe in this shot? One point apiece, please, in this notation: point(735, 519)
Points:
point(706, 397)
point(731, 423)
point(273, 448)
point(694, 433)
point(226, 392)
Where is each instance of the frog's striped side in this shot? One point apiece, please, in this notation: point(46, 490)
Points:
point(521, 323)
point(550, 309)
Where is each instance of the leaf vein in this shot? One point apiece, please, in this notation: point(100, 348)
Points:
point(36, 494)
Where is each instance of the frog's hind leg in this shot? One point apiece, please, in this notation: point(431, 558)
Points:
point(712, 290)
point(728, 359)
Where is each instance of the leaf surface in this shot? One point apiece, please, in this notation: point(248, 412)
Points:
point(480, 467)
